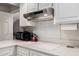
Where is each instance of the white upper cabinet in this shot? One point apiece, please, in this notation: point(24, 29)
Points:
point(31, 7)
point(28, 7)
point(6, 25)
point(45, 5)
point(66, 13)
point(24, 10)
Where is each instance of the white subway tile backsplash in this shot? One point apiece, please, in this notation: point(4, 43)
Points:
point(70, 35)
point(47, 31)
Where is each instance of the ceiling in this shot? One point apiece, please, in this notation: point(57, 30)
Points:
point(9, 7)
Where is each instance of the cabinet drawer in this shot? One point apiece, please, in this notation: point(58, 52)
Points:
point(22, 51)
point(35, 53)
point(7, 51)
point(4, 49)
point(6, 54)
point(20, 55)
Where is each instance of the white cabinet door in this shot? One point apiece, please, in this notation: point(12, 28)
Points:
point(22, 51)
point(31, 7)
point(7, 51)
point(45, 5)
point(5, 30)
point(0, 30)
point(28, 7)
point(35, 53)
point(66, 12)
point(6, 25)
point(23, 10)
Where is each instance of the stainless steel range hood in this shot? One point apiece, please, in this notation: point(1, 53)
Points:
point(41, 15)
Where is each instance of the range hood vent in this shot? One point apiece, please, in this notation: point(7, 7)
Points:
point(41, 15)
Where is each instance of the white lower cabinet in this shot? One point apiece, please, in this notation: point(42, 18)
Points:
point(7, 51)
point(13, 51)
point(21, 51)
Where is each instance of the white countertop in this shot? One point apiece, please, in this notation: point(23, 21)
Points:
point(50, 48)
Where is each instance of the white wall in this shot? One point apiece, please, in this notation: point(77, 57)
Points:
point(16, 22)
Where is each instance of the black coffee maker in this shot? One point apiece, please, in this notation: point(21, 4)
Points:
point(25, 36)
